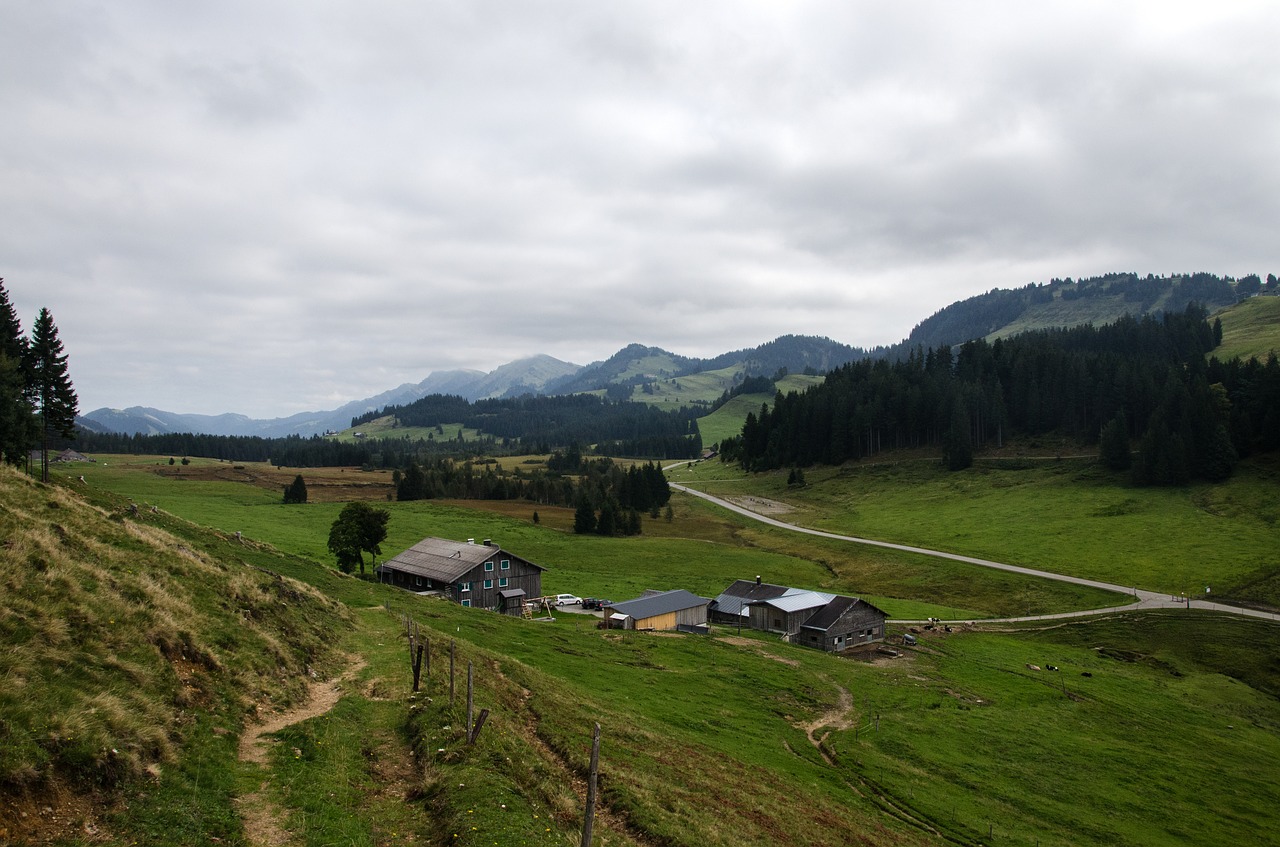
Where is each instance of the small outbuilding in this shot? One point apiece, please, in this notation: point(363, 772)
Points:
point(659, 610)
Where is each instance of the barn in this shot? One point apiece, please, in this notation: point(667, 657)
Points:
point(843, 623)
point(786, 614)
point(482, 576)
point(831, 622)
point(731, 605)
point(659, 610)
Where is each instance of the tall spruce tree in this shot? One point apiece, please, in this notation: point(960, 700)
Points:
point(55, 399)
point(17, 423)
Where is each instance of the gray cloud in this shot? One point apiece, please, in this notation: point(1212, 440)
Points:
point(267, 208)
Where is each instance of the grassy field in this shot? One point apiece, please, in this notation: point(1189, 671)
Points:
point(724, 740)
point(386, 427)
point(727, 421)
point(702, 549)
point(1066, 516)
point(1251, 328)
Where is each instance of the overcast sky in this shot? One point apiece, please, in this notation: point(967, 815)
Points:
point(270, 207)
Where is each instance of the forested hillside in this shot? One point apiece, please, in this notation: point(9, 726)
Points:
point(1143, 383)
point(541, 424)
point(1067, 302)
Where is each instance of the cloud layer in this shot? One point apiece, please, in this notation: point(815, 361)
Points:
point(267, 208)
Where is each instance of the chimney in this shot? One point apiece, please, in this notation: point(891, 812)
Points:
point(757, 579)
point(471, 541)
point(488, 542)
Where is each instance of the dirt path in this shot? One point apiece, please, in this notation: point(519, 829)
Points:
point(841, 717)
point(263, 820)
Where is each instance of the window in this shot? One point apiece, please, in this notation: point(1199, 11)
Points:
point(506, 564)
point(417, 580)
point(502, 583)
point(488, 583)
point(464, 586)
point(488, 566)
point(467, 603)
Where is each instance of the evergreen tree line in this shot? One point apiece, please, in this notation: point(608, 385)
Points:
point(638, 428)
point(1146, 380)
point(610, 500)
point(38, 404)
point(614, 497)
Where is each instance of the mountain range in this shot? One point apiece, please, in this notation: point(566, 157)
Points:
point(999, 312)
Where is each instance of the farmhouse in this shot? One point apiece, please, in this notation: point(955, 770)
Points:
point(660, 610)
point(482, 576)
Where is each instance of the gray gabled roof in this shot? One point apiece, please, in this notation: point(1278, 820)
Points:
point(828, 615)
point(663, 603)
point(734, 599)
point(444, 560)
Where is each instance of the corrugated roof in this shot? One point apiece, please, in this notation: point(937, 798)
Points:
point(659, 604)
point(444, 560)
point(796, 600)
point(734, 599)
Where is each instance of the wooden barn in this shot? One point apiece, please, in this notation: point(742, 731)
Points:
point(830, 622)
point(843, 623)
point(659, 610)
point(731, 606)
point(482, 576)
point(786, 614)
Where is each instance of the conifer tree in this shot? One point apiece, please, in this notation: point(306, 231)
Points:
point(296, 492)
point(17, 423)
point(55, 399)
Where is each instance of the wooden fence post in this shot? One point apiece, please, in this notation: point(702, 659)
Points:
point(417, 668)
point(474, 733)
point(469, 698)
point(589, 815)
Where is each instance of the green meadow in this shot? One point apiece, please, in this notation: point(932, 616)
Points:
point(1250, 328)
point(739, 739)
point(1061, 515)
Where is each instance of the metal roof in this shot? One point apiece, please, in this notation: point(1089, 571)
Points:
point(796, 600)
point(658, 604)
point(444, 560)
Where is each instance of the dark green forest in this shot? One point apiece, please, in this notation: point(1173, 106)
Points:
point(1175, 414)
point(539, 424)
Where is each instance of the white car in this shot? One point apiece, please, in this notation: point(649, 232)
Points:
point(567, 600)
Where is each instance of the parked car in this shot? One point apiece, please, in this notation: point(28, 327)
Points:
point(595, 603)
point(567, 600)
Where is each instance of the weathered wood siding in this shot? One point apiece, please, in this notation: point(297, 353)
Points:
point(859, 625)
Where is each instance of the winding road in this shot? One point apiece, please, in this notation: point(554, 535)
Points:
point(1143, 599)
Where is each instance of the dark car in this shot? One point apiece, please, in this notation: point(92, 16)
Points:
point(594, 603)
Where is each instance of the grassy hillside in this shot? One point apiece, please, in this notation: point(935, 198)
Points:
point(727, 421)
point(1251, 328)
point(121, 643)
point(727, 740)
point(1061, 515)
